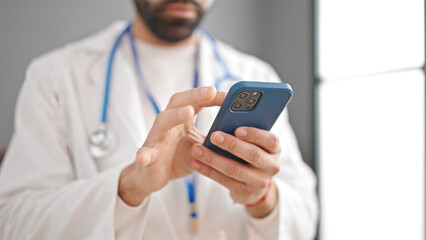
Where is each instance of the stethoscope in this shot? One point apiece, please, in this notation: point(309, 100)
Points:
point(102, 142)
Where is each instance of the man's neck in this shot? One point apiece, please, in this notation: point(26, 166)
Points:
point(142, 32)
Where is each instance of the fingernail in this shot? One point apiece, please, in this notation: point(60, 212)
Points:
point(218, 138)
point(241, 132)
point(197, 152)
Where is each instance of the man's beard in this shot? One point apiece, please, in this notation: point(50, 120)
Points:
point(169, 29)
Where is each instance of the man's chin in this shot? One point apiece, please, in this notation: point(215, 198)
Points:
point(176, 34)
point(174, 30)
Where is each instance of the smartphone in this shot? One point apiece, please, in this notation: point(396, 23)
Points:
point(250, 104)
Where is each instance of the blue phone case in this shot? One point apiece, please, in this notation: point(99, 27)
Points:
point(273, 99)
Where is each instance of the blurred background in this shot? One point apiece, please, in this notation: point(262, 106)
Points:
point(357, 69)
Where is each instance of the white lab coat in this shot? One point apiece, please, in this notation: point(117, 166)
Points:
point(51, 188)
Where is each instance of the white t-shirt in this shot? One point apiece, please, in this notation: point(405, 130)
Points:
point(167, 70)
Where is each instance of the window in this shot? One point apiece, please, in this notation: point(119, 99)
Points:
point(371, 119)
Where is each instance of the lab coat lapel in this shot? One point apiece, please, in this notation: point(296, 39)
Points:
point(84, 98)
point(126, 96)
point(92, 92)
point(125, 115)
point(89, 70)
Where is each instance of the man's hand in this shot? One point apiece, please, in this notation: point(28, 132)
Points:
point(166, 155)
point(248, 184)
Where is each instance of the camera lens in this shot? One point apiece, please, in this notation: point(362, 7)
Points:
point(237, 106)
point(243, 95)
point(251, 101)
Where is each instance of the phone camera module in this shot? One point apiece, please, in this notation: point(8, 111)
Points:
point(246, 100)
point(251, 101)
point(243, 95)
point(237, 106)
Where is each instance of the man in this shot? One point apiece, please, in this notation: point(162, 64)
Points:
point(52, 187)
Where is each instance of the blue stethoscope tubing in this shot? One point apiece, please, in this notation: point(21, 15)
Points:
point(225, 76)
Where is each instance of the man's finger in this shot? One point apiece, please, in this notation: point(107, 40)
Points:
point(259, 137)
point(217, 176)
point(169, 119)
point(249, 152)
point(228, 167)
point(216, 101)
point(193, 97)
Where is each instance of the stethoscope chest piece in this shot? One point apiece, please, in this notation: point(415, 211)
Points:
point(102, 143)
